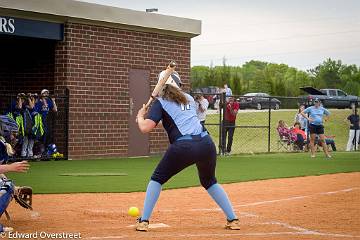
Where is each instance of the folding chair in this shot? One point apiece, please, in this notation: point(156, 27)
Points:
point(285, 141)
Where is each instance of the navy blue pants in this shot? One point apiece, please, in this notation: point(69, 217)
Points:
point(6, 191)
point(183, 153)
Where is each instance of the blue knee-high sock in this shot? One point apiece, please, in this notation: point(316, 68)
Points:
point(152, 194)
point(221, 198)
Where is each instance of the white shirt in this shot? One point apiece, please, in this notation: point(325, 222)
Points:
point(303, 121)
point(228, 91)
point(204, 105)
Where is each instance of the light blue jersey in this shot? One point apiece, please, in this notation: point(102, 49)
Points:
point(178, 120)
point(317, 114)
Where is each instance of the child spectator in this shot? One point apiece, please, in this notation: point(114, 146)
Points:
point(301, 119)
point(300, 135)
point(284, 130)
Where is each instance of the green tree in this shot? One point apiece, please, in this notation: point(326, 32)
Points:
point(327, 74)
point(198, 76)
point(278, 79)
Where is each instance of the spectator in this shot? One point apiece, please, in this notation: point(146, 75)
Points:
point(228, 91)
point(16, 106)
point(354, 132)
point(15, 111)
point(29, 116)
point(301, 119)
point(202, 105)
point(329, 140)
point(300, 135)
point(232, 108)
point(217, 99)
point(317, 115)
point(43, 106)
point(284, 130)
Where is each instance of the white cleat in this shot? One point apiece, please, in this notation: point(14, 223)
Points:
point(233, 224)
point(142, 225)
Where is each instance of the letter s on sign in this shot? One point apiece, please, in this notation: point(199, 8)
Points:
point(11, 28)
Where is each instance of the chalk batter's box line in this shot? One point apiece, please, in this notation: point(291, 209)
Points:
point(298, 230)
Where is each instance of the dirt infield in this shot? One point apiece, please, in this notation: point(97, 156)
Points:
point(318, 207)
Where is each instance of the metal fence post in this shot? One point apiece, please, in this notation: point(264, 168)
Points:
point(269, 126)
point(220, 123)
point(66, 129)
point(355, 132)
point(222, 108)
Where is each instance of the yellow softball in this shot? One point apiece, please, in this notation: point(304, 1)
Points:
point(134, 211)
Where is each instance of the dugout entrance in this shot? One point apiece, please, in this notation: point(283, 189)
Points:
point(28, 66)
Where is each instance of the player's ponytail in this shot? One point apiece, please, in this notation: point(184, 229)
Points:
point(174, 94)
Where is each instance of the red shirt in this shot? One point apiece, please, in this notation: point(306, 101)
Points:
point(229, 116)
point(299, 131)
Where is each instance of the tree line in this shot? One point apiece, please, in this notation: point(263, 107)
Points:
point(278, 79)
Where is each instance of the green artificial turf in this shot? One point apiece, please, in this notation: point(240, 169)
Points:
point(45, 177)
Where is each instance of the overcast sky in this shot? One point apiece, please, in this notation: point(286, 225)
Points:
point(298, 33)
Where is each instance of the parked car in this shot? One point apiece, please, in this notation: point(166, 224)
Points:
point(210, 93)
point(258, 101)
point(330, 98)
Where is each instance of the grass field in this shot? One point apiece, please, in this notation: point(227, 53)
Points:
point(256, 139)
point(45, 177)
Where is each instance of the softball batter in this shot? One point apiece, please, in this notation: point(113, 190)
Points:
point(189, 144)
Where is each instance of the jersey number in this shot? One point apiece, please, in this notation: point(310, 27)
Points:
point(185, 107)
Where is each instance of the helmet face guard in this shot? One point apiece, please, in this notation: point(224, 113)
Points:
point(173, 80)
point(8, 128)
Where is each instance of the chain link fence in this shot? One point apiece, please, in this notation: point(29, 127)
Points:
point(255, 129)
point(55, 126)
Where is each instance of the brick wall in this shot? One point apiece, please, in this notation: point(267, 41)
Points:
point(94, 62)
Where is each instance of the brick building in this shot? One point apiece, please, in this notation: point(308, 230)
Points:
point(107, 57)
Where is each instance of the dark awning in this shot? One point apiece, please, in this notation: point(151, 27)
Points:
point(312, 91)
